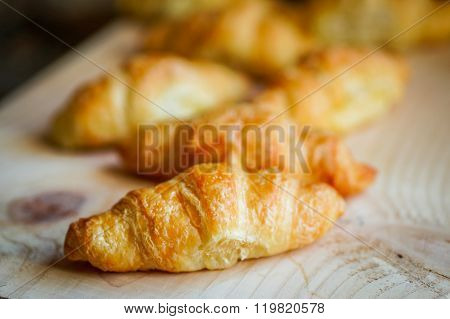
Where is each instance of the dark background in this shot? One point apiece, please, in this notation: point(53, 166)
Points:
point(25, 49)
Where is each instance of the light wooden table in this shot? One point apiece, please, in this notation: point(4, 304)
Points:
point(404, 217)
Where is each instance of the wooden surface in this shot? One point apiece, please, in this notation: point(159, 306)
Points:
point(403, 220)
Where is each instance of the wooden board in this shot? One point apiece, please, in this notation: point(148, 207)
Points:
point(403, 220)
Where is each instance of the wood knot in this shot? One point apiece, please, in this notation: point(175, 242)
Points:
point(45, 207)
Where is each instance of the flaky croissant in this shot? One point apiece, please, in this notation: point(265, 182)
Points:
point(340, 89)
point(166, 149)
point(149, 88)
point(403, 23)
point(251, 34)
point(209, 217)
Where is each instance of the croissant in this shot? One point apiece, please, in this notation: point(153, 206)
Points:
point(254, 35)
point(370, 23)
point(209, 217)
point(223, 134)
point(149, 88)
point(339, 89)
point(169, 9)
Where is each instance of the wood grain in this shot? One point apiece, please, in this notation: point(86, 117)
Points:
point(397, 238)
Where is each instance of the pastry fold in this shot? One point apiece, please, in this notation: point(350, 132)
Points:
point(209, 217)
point(149, 88)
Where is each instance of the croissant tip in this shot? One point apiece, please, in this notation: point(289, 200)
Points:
point(73, 243)
point(366, 175)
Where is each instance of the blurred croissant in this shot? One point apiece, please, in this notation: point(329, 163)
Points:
point(149, 88)
point(250, 34)
point(339, 89)
point(209, 217)
point(169, 9)
point(239, 131)
point(371, 23)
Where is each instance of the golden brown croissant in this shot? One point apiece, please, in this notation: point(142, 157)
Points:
point(251, 34)
point(368, 22)
point(209, 217)
point(339, 89)
point(223, 134)
point(154, 86)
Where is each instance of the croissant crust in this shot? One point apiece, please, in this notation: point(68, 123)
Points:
point(209, 217)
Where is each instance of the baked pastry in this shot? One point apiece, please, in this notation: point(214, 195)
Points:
point(209, 217)
point(169, 9)
point(371, 23)
point(149, 88)
point(224, 134)
point(339, 89)
point(254, 35)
